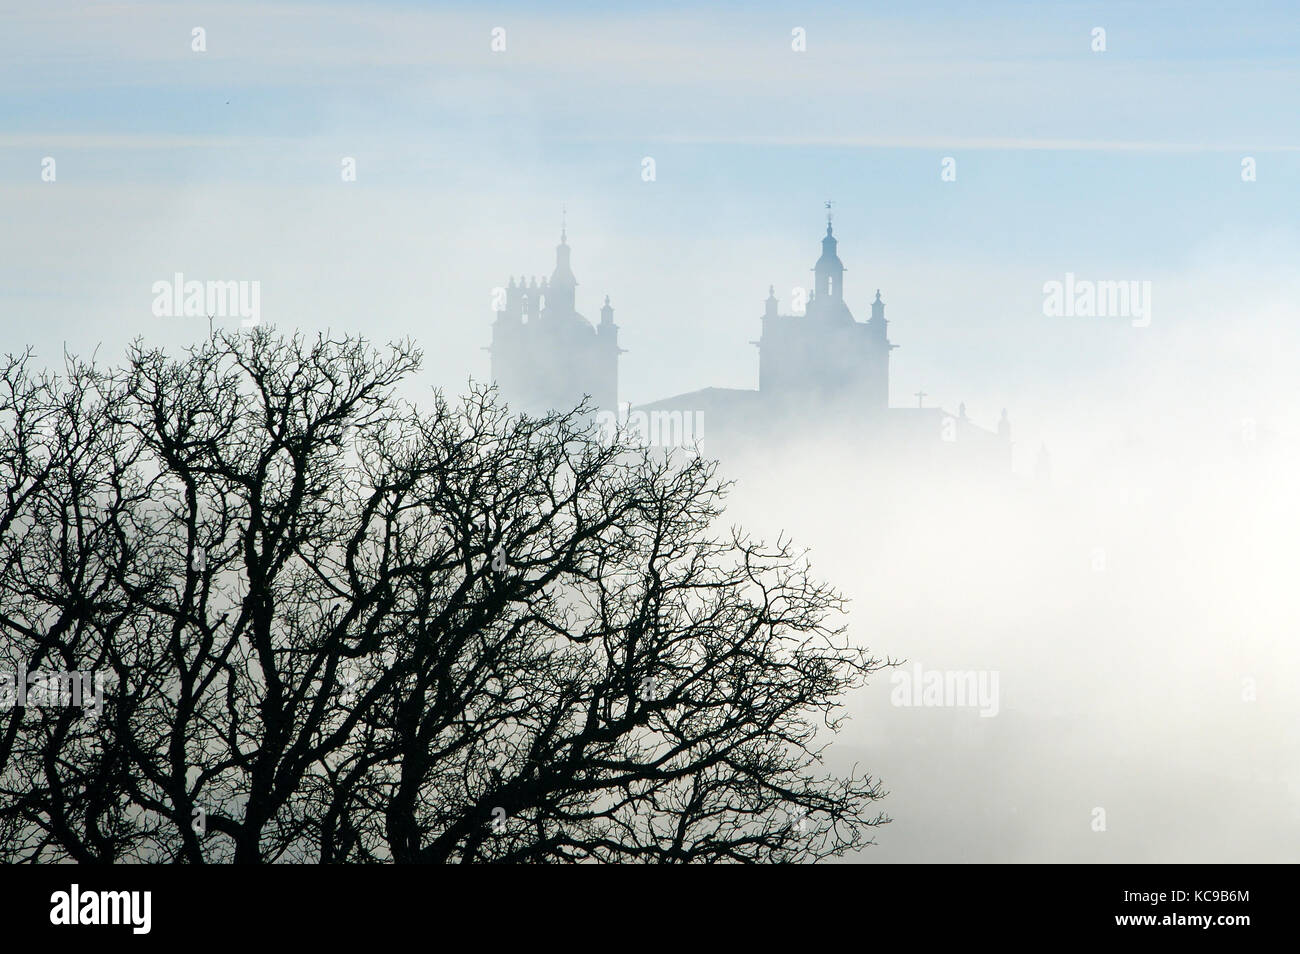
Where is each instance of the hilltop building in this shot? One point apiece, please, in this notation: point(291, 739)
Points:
point(544, 353)
point(821, 374)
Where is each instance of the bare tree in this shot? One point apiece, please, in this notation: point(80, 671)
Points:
point(339, 627)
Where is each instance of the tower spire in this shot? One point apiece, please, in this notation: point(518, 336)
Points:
point(829, 269)
point(564, 224)
point(561, 291)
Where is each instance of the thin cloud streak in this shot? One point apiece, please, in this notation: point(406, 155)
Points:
point(957, 142)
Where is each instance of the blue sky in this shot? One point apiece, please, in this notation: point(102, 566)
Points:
point(1123, 164)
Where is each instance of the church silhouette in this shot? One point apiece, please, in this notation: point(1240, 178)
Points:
point(544, 354)
point(822, 374)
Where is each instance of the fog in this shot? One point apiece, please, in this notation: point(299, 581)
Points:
point(1138, 606)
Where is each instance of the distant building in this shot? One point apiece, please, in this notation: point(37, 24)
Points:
point(821, 374)
point(824, 374)
point(545, 355)
point(824, 359)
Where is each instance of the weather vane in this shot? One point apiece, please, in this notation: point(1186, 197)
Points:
point(828, 210)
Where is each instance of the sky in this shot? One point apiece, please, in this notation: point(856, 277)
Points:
point(1122, 164)
point(225, 164)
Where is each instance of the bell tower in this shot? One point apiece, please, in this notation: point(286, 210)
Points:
point(545, 355)
point(563, 291)
point(829, 270)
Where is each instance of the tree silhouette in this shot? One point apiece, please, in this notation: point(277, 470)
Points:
point(338, 627)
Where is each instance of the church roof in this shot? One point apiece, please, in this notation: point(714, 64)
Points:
point(702, 399)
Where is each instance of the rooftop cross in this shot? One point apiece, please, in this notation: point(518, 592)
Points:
point(920, 399)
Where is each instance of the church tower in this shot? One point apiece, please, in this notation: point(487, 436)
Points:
point(829, 270)
point(563, 287)
point(826, 303)
point(545, 355)
point(825, 360)
point(876, 379)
